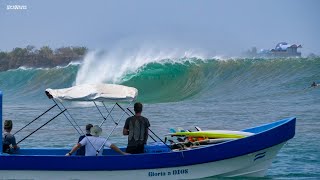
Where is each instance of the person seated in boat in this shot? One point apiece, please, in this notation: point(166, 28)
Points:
point(9, 144)
point(94, 143)
point(136, 127)
point(82, 151)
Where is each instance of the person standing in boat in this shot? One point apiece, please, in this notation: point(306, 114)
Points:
point(94, 143)
point(9, 144)
point(136, 127)
point(82, 151)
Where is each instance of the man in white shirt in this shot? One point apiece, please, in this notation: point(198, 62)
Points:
point(94, 143)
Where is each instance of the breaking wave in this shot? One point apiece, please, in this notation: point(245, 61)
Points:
point(168, 77)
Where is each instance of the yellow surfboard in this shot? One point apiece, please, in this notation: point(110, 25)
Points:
point(213, 134)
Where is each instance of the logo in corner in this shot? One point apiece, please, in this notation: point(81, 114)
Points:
point(17, 7)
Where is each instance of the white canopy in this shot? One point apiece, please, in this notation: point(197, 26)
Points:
point(94, 92)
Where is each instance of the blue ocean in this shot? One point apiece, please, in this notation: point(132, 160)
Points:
point(183, 92)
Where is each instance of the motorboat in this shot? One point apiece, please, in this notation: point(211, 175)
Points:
point(248, 156)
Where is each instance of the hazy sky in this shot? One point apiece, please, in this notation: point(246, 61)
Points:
point(225, 27)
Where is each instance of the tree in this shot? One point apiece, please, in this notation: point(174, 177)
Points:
point(64, 51)
point(30, 49)
point(3, 55)
point(46, 51)
point(80, 51)
point(18, 53)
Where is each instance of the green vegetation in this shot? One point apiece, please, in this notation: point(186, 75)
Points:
point(43, 57)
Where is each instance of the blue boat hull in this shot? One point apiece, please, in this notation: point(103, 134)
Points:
point(266, 136)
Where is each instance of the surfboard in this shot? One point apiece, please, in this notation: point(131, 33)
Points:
point(214, 134)
point(215, 141)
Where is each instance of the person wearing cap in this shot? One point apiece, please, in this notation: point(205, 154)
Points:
point(82, 151)
point(9, 144)
point(136, 127)
point(94, 143)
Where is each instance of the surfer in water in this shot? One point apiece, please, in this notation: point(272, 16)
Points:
point(314, 84)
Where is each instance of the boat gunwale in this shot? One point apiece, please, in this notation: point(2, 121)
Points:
point(158, 160)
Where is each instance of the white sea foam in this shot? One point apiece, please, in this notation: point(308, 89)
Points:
point(111, 66)
point(26, 68)
point(72, 63)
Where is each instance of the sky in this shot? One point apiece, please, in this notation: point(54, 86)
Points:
point(226, 27)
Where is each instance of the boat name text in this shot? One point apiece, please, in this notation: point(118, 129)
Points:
point(169, 173)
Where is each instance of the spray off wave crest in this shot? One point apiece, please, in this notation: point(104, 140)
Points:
point(153, 72)
point(112, 66)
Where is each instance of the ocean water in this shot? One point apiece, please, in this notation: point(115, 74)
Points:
point(211, 93)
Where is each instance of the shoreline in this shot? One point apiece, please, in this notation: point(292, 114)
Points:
point(44, 57)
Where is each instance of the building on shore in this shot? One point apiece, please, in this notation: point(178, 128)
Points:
point(282, 49)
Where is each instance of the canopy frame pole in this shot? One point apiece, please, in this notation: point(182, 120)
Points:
point(113, 129)
point(51, 97)
point(109, 112)
point(104, 117)
point(152, 131)
point(70, 117)
point(42, 126)
point(152, 138)
point(35, 119)
point(75, 122)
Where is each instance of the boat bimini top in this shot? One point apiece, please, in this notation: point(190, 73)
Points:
point(94, 92)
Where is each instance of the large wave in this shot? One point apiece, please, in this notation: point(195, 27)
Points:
point(112, 66)
point(168, 78)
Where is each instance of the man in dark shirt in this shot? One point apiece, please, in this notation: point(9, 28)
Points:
point(136, 127)
point(82, 150)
